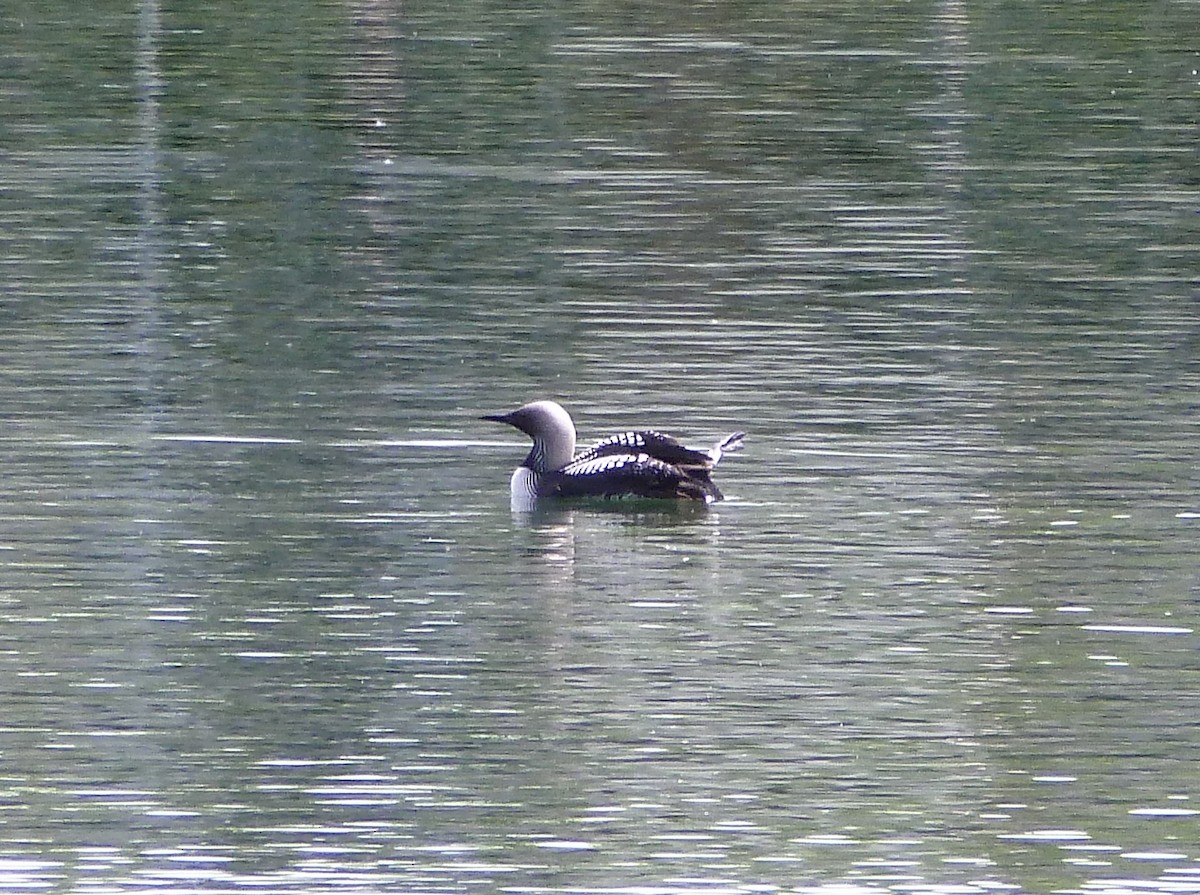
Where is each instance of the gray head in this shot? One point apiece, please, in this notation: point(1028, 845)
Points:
point(551, 429)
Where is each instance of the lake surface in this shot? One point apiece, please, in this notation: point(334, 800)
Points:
point(267, 623)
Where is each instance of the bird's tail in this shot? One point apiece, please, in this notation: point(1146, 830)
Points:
point(726, 445)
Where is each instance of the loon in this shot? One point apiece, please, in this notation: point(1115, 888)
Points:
point(629, 464)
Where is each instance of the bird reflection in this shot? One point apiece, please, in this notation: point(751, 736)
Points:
point(560, 535)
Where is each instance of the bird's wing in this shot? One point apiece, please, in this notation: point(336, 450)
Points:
point(657, 445)
point(630, 475)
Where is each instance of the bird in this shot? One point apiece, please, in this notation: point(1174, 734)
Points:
point(640, 463)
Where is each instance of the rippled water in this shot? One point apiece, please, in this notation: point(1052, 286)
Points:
point(266, 621)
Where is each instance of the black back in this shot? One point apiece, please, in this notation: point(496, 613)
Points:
point(656, 445)
point(627, 474)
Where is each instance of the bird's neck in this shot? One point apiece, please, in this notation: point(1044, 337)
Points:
point(548, 454)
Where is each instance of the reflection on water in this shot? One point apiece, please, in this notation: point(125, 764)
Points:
point(266, 619)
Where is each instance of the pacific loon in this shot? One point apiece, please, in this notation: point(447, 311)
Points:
point(630, 464)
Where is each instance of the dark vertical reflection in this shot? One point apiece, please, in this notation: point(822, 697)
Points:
point(149, 167)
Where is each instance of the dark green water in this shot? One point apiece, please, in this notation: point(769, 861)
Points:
point(266, 621)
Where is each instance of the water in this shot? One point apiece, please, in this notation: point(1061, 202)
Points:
point(266, 621)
